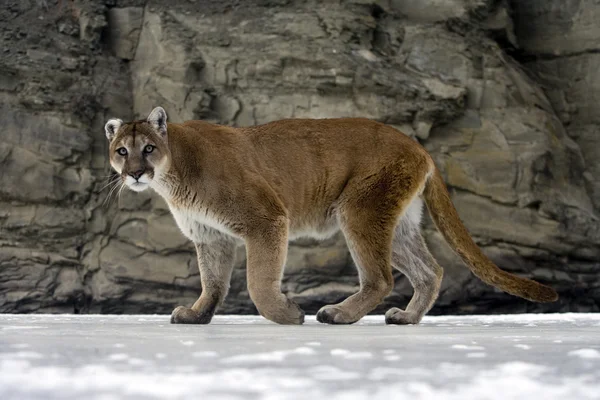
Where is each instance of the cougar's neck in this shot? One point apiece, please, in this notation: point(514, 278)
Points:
point(181, 184)
point(164, 183)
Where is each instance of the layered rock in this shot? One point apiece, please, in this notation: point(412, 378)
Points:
point(517, 151)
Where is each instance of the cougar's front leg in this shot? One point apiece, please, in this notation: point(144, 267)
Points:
point(215, 261)
point(266, 253)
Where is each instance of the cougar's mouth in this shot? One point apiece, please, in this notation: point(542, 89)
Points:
point(137, 185)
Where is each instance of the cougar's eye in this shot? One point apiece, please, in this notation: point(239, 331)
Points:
point(148, 149)
point(122, 151)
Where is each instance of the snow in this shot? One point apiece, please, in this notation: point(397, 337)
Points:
point(465, 347)
point(273, 356)
point(523, 346)
point(204, 354)
point(585, 353)
point(550, 356)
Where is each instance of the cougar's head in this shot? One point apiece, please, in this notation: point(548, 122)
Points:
point(138, 150)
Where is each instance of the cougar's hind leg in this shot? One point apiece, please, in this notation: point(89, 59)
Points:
point(368, 217)
point(411, 256)
point(370, 247)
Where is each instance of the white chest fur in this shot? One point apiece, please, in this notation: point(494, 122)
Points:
point(199, 227)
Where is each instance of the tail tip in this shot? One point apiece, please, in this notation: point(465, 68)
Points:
point(546, 295)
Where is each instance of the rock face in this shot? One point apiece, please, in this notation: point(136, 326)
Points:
point(501, 94)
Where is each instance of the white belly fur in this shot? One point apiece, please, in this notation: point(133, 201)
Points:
point(319, 234)
point(410, 222)
point(204, 227)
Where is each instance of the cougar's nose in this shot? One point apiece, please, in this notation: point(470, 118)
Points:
point(137, 174)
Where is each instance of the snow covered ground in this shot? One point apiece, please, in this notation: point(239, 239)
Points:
point(539, 357)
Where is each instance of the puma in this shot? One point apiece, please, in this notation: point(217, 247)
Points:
point(265, 185)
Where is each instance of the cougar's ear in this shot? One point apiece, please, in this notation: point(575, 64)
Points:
point(112, 127)
point(158, 119)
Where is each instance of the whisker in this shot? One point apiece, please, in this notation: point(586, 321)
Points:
point(120, 191)
point(107, 178)
point(112, 190)
point(115, 179)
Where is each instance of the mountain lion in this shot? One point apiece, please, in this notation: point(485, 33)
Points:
point(265, 185)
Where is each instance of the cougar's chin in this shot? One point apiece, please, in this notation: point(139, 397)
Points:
point(137, 185)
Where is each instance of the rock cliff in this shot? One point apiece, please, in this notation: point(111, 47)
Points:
point(503, 94)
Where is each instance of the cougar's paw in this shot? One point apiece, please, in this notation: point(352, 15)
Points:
point(396, 316)
point(334, 315)
point(184, 315)
point(292, 314)
point(297, 315)
point(284, 312)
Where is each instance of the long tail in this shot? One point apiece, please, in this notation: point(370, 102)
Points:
point(449, 224)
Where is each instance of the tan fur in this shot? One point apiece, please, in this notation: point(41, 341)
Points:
point(447, 221)
point(266, 184)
